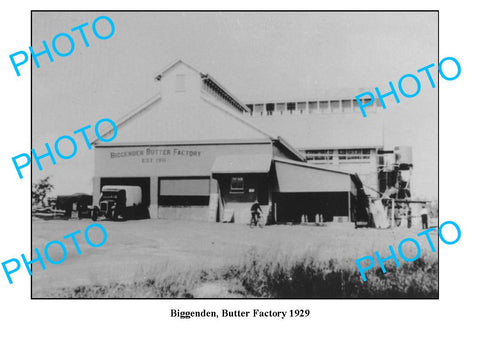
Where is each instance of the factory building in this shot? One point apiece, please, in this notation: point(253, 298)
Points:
point(329, 131)
point(195, 154)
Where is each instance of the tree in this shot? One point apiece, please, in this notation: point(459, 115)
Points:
point(40, 190)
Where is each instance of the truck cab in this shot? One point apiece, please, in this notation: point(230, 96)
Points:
point(118, 202)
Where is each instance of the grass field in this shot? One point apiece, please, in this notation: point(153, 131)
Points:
point(165, 258)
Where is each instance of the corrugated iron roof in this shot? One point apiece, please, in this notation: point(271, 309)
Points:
point(297, 177)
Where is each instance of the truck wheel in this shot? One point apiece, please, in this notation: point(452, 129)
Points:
point(115, 214)
point(94, 214)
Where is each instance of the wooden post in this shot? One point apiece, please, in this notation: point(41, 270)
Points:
point(349, 207)
point(275, 211)
point(153, 207)
point(393, 213)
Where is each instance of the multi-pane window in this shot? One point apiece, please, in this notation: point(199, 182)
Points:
point(258, 108)
point(281, 107)
point(346, 105)
point(323, 106)
point(291, 107)
point(366, 100)
point(356, 107)
point(333, 156)
point(270, 107)
point(335, 105)
point(302, 107)
point(312, 107)
point(319, 155)
point(237, 185)
point(354, 154)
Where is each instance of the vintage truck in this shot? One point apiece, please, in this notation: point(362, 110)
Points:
point(118, 202)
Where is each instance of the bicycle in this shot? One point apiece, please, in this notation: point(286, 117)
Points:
point(254, 221)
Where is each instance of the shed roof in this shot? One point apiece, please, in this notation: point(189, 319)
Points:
point(299, 177)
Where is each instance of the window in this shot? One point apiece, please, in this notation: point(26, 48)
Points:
point(323, 106)
point(258, 108)
point(180, 83)
point(302, 107)
point(320, 156)
point(354, 154)
point(250, 107)
point(312, 107)
point(291, 107)
point(280, 108)
point(335, 105)
point(237, 185)
point(346, 105)
point(270, 107)
point(356, 107)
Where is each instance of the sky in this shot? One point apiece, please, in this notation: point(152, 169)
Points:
point(256, 56)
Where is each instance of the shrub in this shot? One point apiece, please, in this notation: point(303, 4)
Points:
point(304, 278)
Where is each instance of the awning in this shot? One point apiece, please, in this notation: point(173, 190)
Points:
point(302, 177)
point(242, 164)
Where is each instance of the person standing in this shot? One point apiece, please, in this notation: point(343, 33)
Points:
point(409, 217)
point(255, 211)
point(424, 213)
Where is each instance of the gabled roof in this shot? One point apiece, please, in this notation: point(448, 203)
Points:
point(129, 115)
point(212, 82)
point(240, 118)
point(246, 123)
point(207, 78)
point(160, 74)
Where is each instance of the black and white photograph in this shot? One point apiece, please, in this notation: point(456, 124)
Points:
point(235, 155)
point(226, 170)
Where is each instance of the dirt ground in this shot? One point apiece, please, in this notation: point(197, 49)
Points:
point(135, 249)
